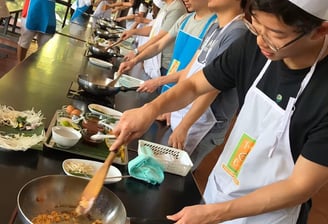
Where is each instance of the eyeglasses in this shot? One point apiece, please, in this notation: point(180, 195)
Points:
point(251, 28)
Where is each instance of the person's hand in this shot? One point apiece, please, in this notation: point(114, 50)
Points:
point(149, 86)
point(129, 56)
point(118, 20)
point(178, 137)
point(195, 214)
point(126, 66)
point(126, 34)
point(164, 118)
point(138, 19)
point(104, 7)
point(133, 124)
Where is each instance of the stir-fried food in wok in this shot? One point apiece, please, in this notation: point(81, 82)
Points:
point(55, 217)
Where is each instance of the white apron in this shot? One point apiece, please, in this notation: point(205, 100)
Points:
point(152, 65)
point(257, 153)
point(100, 12)
point(205, 123)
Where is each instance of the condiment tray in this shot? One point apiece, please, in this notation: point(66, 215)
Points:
point(97, 151)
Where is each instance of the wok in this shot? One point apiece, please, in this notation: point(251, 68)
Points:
point(62, 193)
point(108, 24)
point(101, 53)
point(98, 85)
point(106, 34)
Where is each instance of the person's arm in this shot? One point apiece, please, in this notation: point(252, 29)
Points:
point(157, 42)
point(144, 31)
point(306, 180)
point(152, 84)
point(128, 17)
point(120, 5)
point(151, 48)
point(134, 123)
point(199, 106)
point(144, 20)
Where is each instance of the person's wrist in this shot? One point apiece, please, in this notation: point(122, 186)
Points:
point(134, 61)
point(152, 110)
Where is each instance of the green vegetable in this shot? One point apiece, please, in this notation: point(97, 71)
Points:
point(65, 123)
point(21, 122)
point(111, 119)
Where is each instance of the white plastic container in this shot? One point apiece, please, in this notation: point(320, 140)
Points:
point(175, 161)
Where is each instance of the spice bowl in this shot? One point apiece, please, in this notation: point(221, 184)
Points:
point(65, 137)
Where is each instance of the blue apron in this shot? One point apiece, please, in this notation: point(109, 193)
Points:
point(185, 47)
point(79, 11)
point(41, 16)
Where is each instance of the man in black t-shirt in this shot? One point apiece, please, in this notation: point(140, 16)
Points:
point(276, 156)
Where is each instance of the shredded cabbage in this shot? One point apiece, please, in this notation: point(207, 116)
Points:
point(20, 142)
point(8, 117)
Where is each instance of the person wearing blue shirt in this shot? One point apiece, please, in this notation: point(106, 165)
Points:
point(38, 19)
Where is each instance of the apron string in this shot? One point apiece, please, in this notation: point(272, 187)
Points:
point(291, 104)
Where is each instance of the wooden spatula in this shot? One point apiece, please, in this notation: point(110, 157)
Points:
point(114, 44)
point(112, 83)
point(94, 186)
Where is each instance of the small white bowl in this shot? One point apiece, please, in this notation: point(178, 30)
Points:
point(65, 136)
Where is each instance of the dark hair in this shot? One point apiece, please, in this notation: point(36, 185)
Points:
point(244, 4)
point(290, 14)
point(135, 5)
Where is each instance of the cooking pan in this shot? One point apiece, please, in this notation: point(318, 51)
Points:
point(62, 193)
point(108, 24)
point(98, 85)
point(99, 52)
point(106, 34)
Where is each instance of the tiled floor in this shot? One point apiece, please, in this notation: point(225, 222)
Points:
point(8, 54)
point(319, 214)
point(7, 57)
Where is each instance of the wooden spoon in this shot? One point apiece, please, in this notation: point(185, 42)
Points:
point(114, 44)
point(94, 186)
point(112, 83)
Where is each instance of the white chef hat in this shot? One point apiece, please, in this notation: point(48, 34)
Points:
point(158, 3)
point(318, 8)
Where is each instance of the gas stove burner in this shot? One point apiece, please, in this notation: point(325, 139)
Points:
point(76, 93)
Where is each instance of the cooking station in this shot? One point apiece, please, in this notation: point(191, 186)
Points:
point(46, 81)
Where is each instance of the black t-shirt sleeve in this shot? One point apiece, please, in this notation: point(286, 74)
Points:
point(220, 73)
point(237, 67)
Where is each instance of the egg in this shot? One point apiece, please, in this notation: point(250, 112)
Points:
point(76, 112)
point(69, 109)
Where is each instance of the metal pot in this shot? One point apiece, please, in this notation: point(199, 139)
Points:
point(62, 193)
point(98, 85)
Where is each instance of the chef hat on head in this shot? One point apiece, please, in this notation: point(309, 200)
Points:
point(158, 3)
point(318, 8)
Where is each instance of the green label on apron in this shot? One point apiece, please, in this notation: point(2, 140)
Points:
point(238, 157)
